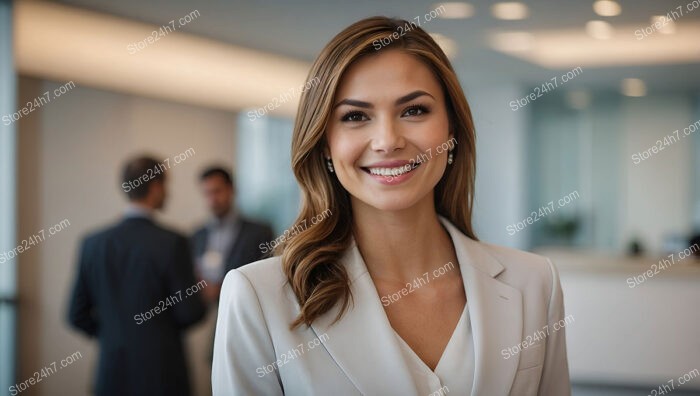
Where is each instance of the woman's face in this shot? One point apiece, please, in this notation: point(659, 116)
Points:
point(388, 131)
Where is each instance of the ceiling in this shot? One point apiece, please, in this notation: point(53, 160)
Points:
point(299, 29)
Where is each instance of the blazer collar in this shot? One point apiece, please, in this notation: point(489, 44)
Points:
point(364, 345)
point(362, 342)
point(496, 313)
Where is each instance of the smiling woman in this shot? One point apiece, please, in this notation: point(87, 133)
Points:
point(359, 150)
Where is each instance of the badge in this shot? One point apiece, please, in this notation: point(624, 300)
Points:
point(212, 261)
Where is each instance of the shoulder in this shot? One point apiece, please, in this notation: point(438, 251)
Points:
point(126, 229)
point(515, 259)
point(254, 226)
point(520, 269)
point(260, 287)
point(262, 276)
point(167, 233)
point(95, 236)
point(523, 269)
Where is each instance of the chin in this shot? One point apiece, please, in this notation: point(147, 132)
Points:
point(390, 201)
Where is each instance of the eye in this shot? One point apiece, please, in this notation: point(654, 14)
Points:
point(416, 110)
point(354, 116)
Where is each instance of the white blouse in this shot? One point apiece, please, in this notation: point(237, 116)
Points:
point(454, 373)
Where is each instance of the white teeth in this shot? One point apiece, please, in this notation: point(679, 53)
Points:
point(393, 171)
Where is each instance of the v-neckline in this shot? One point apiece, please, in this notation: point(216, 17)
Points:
point(458, 326)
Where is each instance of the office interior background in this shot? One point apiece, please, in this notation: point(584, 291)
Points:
point(588, 150)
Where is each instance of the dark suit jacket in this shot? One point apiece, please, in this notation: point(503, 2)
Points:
point(124, 271)
point(246, 248)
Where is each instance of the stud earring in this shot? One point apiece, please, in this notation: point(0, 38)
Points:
point(329, 165)
point(450, 158)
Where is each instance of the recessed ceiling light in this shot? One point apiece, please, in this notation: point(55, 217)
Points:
point(666, 25)
point(510, 11)
point(633, 87)
point(511, 41)
point(454, 10)
point(600, 30)
point(572, 47)
point(607, 8)
point(448, 45)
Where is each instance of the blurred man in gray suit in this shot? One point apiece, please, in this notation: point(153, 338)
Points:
point(227, 240)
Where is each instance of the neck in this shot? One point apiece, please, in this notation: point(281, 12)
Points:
point(401, 245)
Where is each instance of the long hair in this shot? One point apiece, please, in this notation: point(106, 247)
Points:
point(311, 260)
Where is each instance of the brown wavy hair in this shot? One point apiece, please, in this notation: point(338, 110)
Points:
point(311, 260)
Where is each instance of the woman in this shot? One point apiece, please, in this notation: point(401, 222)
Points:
point(391, 293)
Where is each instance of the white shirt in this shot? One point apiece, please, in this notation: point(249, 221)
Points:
point(454, 372)
point(221, 236)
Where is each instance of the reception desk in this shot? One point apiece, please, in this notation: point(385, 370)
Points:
point(626, 332)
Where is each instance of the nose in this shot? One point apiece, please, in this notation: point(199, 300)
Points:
point(388, 137)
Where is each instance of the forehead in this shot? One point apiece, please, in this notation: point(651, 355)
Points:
point(388, 74)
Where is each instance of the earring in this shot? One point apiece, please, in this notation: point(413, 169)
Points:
point(450, 158)
point(329, 165)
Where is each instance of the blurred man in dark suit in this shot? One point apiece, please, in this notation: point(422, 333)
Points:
point(228, 240)
point(136, 292)
point(694, 243)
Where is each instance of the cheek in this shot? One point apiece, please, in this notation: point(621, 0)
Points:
point(433, 137)
point(346, 149)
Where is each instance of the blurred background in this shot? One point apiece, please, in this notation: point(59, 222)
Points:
point(588, 131)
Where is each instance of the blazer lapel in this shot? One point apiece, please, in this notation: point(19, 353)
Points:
point(364, 345)
point(362, 342)
point(495, 310)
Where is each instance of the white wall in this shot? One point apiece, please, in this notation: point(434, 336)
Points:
point(501, 194)
point(71, 152)
point(656, 193)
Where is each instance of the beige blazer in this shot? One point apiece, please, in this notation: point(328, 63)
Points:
point(512, 296)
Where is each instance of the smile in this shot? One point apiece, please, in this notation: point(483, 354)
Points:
point(395, 171)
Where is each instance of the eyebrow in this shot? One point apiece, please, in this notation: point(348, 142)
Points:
point(404, 99)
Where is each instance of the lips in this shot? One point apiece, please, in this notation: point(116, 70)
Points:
point(391, 168)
